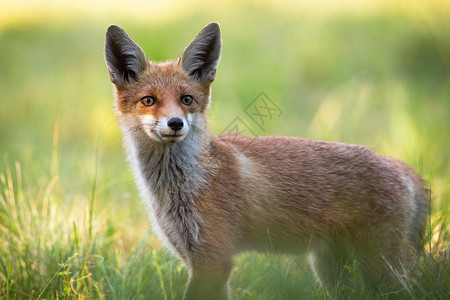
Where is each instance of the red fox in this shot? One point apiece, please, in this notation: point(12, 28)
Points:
point(212, 197)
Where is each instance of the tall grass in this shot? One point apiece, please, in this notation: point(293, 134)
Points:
point(71, 222)
point(44, 258)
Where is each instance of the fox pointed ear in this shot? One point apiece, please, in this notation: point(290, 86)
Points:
point(201, 57)
point(124, 58)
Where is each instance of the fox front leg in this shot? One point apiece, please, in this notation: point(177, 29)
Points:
point(209, 281)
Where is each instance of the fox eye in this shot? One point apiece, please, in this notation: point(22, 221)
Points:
point(186, 99)
point(148, 101)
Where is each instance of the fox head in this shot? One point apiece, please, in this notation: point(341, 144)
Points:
point(165, 101)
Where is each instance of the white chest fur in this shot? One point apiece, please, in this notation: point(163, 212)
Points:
point(167, 177)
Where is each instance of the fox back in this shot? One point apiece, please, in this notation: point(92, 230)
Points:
point(212, 197)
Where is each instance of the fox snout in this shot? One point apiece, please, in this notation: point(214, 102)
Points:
point(171, 129)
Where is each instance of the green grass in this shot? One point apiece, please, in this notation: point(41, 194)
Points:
point(71, 222)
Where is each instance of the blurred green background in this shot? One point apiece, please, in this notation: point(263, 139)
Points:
point(365, 72)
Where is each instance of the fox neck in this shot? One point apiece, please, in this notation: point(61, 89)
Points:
point(168, 176)
point(169, 167)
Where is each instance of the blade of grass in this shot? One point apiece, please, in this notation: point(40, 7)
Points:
point(76, 236)
point(55, 149)
point(94, 185)
point(429, 218)
point(160, 275)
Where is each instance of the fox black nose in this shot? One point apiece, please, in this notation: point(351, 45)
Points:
point(175, 124)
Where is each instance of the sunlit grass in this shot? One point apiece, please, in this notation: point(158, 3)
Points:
point(47, 258)
point(71, 222)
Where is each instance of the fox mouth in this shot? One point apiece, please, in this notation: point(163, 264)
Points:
point(171, 135)
point(171, 138)
point(166, 138)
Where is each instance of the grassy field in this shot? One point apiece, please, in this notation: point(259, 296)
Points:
point(71, 222)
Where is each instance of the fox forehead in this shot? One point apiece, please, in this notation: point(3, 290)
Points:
point(164, 81)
